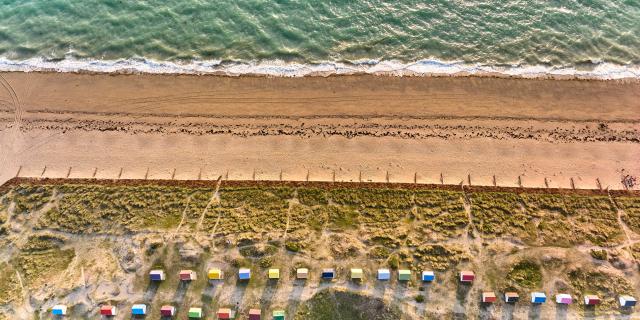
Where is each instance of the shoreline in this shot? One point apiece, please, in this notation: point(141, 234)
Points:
point(385, 68)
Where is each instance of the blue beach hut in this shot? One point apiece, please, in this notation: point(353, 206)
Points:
point(244, 274)
point(139, 309)
point(627, 301)
point(156, 275)
point(428, 276)
point(384, 274)
point(328, 274)
point(59, 310)
point(538, 297)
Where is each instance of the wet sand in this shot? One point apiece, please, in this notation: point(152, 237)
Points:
point(532, 133)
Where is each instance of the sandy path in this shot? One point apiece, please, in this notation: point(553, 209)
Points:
point(373, 127)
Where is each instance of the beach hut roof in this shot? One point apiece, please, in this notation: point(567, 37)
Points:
point(404, 271)
point(302, 270)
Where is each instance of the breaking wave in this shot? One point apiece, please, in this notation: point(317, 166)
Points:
point(277, 68)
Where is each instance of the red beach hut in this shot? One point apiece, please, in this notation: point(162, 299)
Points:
point(107, 310)
point(168, 311)
point(467, 276)
point(489, 297)
point(254, 314)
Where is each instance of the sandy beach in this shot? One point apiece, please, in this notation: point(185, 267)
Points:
point(531, 133)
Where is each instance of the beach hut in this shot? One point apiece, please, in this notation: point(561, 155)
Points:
point(384, 274)
point(167, 311)
point(538, 297)
point(467, 276)
point(302, 273)
point(278, 314)
point(404, 275)
point(328, 274)
point(188, 275)
point(139, 309)
point(489, 297)
point(226, 313)
point(627, 301)
point(59, 310)
point(157, 275)
point(244, 274)
point(107, 310)
point(274, 274)
point(511, 297)
point(195, 313)
point(215, 274)
point(591, 300)
point(254, 314)
point(428, 276)
point(563, 298)
point(357, 274)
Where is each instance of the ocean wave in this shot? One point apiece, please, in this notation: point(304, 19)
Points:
point(597, 70)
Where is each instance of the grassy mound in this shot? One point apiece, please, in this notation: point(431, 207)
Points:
point(336, 304)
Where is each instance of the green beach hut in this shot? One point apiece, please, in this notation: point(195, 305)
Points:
point(404, 275)
point(195, 313)
point(278, 314)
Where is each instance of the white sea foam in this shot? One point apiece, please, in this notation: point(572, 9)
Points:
point(277, 68)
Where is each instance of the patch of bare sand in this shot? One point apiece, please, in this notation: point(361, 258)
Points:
point(343, 128)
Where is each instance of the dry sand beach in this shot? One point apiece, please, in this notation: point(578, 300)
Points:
point(533, 133)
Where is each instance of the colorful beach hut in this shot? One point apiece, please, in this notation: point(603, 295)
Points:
point(278, 314)
point(215, 274)
point(404, 275)
point(157, 275)
point(467, 276)
point(511, 297)
point(489, 297)
point(226, 313)
point(384, 274)
point(274, 274)
point(328, 274)
point(302, 273)
point(428, 276)
point(591, 300)
point(627, 301)
point(195, 313)
point(254, 314)
point(538, 297)
point(563, 298)
point(244, 274)
point(59, 310)
point(167, 311)
point(187, 275)
point(108, 310)
point(357, 274)
point(139, 309)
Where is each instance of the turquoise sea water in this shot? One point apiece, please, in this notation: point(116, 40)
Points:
point(304, 36)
